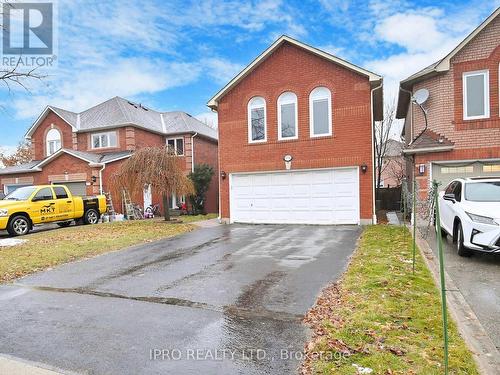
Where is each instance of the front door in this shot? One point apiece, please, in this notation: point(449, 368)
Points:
point(43, 206)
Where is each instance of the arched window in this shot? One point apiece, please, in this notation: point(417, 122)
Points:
point(53, 141)
point(320, 112)
point(257, 120)
point(287, 116)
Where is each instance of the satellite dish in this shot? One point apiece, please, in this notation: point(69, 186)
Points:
point(421, 96)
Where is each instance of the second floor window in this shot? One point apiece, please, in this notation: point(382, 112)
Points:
point(257, 120)
point(287, 116)
point(320, 112)
point(104, 140)
point(476, 95)
point(53, 141)
point(176, 145)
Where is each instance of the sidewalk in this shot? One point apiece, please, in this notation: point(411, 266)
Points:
point(11, 365)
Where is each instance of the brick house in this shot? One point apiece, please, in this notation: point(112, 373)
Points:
point(296, 138)
point(393, 168)
point(82, 150)
point(462, 138)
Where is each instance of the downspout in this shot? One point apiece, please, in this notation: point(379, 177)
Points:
point(192, 151)
point(374, 216)
point(100, 179)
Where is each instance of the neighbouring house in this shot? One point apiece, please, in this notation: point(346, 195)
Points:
point(393, 165)
point(462, 134)
point(82, 150)
point(296, 138)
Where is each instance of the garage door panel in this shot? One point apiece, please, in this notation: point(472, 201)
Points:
point(329, 196)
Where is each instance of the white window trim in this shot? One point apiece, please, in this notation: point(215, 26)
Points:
point(49, 141)
point(249, 119)
point(485, 73)
point(175, 145)
point(311, 115)
point(100, 135)
point(280, 103)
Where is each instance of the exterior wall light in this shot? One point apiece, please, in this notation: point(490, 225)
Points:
point(288, 161)
point(223, 175)
point(421, 169)
point(364, 168)
point(94, 179)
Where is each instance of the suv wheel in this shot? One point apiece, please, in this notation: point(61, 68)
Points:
point(461, 249)
point(19, 226)
point(91, 216)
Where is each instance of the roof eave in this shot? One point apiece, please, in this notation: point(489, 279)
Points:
point(427, 150)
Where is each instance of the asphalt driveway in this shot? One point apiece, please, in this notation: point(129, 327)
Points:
point(227, 299)
point(478, 279)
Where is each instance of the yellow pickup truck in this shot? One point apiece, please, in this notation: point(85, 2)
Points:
point(33, 205)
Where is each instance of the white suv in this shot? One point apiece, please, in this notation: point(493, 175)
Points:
point(470, 213)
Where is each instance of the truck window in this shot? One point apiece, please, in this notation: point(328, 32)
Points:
point(60, 192)
point(44, 194)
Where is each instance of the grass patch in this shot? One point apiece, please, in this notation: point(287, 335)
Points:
point(50, 248)
point(388, 319)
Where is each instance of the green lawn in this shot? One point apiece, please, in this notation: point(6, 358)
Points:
point(50, 248)
point(386, 317)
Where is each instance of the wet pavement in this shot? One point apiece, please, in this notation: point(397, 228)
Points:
point(478, 278)
point(223, 300)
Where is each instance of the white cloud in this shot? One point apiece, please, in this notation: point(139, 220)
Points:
point(209, 118)
point(221, 70)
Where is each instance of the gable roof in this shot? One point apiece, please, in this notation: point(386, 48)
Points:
point(119, 112)
point(435, 68)
point(429, 141)
point(213, 102)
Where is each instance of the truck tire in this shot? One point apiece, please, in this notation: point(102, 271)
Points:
point(461, 249)
point(64, 224)
point(19, 225)
point(91, 216)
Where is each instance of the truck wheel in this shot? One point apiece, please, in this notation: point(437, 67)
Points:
point(64, 224)
point(19, 226)
point(443, 233)
point(461, 249)
point(91, 216)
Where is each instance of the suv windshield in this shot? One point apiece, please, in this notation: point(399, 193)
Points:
point(21, 194)
point(483, 191)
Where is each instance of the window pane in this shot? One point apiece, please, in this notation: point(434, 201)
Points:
point(104, 140)
point(258, 126)
point(171, 144)
point(112, 139)
point(320, 117)
point(491, 168)
point(96, 141)
point(287, 120)
point(60, 192)
point(483, 192)
point(44, 194)
point(180, 146)
point(475, 95)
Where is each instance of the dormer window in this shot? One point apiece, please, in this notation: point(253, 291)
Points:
point(53, 141)
point(104, 140)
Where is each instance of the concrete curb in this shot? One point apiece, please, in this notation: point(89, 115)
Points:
point(483, 350)
point(13, 365)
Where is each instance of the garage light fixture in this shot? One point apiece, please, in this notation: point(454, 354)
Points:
point(288, 161)
point(421, 169)
point(364, 168)
point(223, 175)
point(94, 179)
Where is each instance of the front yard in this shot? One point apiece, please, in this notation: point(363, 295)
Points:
point(382, 316)
point(50, 248)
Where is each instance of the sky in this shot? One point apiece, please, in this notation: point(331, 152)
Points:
point(175, 55)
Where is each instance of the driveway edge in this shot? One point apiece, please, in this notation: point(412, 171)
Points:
point(483, 350)
point(13, 365)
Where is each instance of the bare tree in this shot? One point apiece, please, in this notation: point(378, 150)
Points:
point(159, 167)
point(382, 134)
point(16, 75)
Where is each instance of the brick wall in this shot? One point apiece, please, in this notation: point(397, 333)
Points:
point(290, 68)
point(445, 104)
point(50, 121)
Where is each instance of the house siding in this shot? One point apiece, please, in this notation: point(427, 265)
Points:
point(290, 68)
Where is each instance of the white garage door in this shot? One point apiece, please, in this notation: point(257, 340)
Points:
point(76, 188)
point(325, 196)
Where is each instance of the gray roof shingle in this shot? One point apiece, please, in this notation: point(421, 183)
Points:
point(21, 168)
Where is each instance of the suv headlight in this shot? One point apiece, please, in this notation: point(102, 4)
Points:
point(482, 219)
point(4, 212)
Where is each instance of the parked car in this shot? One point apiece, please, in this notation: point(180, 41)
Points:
point(33, 205)
point(470, 213)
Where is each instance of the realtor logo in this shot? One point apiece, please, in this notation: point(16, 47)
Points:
point(28, 28)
